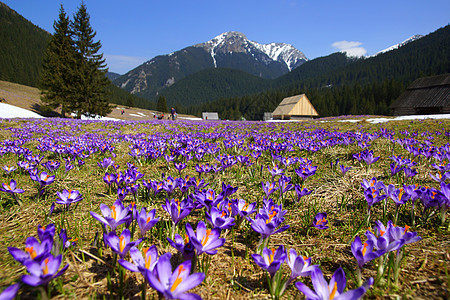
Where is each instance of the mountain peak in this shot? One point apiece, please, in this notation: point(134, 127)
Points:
point(236, 42)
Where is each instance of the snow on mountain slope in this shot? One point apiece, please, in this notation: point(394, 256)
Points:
point(408, 40)
point(233, 41)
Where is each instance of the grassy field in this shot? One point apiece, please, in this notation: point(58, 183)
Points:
point(229, 149)
point(29, 98)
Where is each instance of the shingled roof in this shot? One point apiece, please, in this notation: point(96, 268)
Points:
point(426, 93)
point(295, 106)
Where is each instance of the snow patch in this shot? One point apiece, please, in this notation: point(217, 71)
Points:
point(10, 111)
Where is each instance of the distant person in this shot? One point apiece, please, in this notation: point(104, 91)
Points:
point(122, 112)
point(173, 112)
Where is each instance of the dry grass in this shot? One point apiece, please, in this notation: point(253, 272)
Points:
point(233, 274)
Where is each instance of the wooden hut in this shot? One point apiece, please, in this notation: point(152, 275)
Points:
point(295, 108)
point(426, 95)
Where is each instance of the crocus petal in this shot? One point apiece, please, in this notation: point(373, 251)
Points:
point(127, 265)
point(10, 292)
point(31, 280)
point(307, 291)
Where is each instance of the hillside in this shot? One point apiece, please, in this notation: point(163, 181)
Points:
point(22, 47)
point(27, 97)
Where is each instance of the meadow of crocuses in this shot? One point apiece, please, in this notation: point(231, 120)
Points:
point(224, 210)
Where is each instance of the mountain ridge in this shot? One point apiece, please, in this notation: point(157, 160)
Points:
point(230, 49)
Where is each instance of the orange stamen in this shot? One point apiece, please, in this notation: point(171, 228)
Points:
point(178, 280)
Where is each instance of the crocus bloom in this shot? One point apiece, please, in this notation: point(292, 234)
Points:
point(11, 187)
point(242, 208)
point(52, 165)
point(41, 273)
point(9, 169)
point(301, 192)
point(68, 197)
point(332, 290)
point(300, 265)
point(267, 226)
point(364, 253)
point(106, 163)
point(146, 220)
point(112, 216)
point(109, 178)
point(121, 244)
point(142, 263)
point(320, 221)
point(45, 179)
point(344, 169)
point(177, 209)
point(271, 259)
point(269, 188)
point(33, 250)
point(174, 285)
point(183, 246)
point(205, 240)
point(219, 218)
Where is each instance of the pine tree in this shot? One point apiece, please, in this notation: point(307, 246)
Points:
point(92, 95)
point(162, 104)
point(58, 67)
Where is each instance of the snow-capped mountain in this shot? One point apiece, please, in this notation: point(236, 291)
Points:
point(408, 40)
point(227, 50)
point(237, 42)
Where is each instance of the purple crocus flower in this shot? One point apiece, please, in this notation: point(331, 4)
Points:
point(109, 178)
point(332, 290)
point(364, 253)
point(275, 171)
point(179, 166)
point(34, 250)
point(219, 218)
point(177, 209)
point(169, 185)
point(121, 244)
point(301, 192)
point(45, 179)
point(395, 168)
point(267, 226)
point(141, 263)
point(41, 273)
point(305, 171)
point(113, 216)
point(320, 221)
point(52, 165)
point(146, 220)
point(173, 285)
point(269, 188)
point(344, 169)
point(183, 246)
point(122, 192)
point(9, 169)
point(300, 265)
point(284, 184)
point(369, 158)
point(204, 240)
point(68, 197)
point(242, 208)
point(271, 259)
point(11, 187)
point(105, 163)
point(373, 196)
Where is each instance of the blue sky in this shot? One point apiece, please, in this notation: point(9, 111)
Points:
point(134, 31)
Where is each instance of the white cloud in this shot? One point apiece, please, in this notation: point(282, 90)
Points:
point(121, 63)
point(351, 48)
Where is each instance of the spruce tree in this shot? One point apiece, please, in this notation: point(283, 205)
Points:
point(92, 95)
point(58, 67)
point(161, 105)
